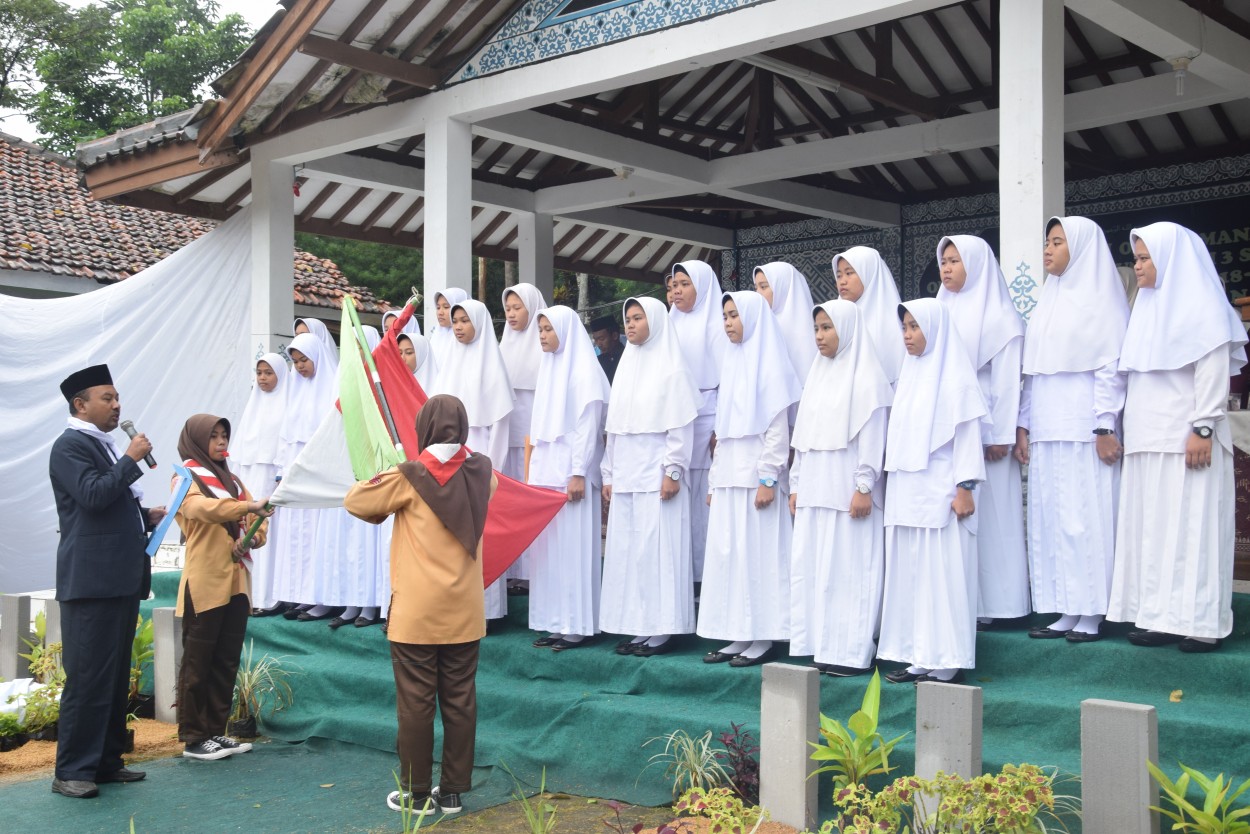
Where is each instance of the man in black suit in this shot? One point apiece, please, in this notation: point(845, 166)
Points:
point(606, 334)
point(101, 574)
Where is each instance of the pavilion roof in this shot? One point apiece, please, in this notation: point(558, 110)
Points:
point(325, 59)
point(51, 225)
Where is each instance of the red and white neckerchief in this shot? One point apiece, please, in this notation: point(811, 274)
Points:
point(442, 470)
point(215, 486)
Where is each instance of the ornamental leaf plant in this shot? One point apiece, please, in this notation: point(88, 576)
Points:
point(1215, 815)
point(856, 751)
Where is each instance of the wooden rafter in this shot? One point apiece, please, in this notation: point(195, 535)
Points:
point(378, 213)
point(371, 63)
point(406, 217)
point(317, 202)
point(855, 79)
point(490, 228)
point(384, 42)
point(162, 164)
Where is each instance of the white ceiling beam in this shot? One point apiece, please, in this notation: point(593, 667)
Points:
point(1172, 29)
point(639, 222)
point(364, 172)
point(818, 202)
point(648, 57)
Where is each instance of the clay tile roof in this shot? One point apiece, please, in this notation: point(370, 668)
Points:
point(49, 223)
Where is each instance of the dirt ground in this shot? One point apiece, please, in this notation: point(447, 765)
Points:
point(153, 740)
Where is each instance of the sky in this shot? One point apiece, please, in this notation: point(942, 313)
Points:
point(255, 12)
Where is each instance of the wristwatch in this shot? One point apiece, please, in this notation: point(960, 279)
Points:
point(1203, 431)
point(968, 485)
point(1101, 432)
point(674, 474)
point(768, 482)
point(863, 489)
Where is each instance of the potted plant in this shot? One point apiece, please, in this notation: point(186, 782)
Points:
point(41, 708)
point(11, 735)
point(262, 685)
point(141, 654)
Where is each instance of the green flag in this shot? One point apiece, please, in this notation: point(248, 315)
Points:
point(369, 442)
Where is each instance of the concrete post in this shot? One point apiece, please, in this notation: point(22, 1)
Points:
point(51, 622)
point(273, 255)
point(1117, 739)
point(14, 629)
point(789, 719)
point(448, 212)
point(166, 659)
point(536, 251)
point(948, 730)
point(1030, 169)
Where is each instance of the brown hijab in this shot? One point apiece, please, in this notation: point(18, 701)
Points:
point(458, 490)
point(193, 446)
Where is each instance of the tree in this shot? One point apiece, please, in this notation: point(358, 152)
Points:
point(27, 28)
point(124, 62)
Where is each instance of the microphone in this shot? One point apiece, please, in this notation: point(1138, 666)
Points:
point(129, 428)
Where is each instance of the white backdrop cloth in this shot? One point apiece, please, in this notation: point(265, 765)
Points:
point(175, 337)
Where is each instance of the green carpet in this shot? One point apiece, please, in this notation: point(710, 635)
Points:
point(584, 715)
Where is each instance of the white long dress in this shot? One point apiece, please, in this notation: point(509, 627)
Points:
point(647, 569)
point(697, 475)
point(254, 457)
point(928, 616)
point(1174, 543)
point(746, 577)
point(565, 560)
point(837, 567)
point(1073, 496)
point(1002, 560)
point(492, 440)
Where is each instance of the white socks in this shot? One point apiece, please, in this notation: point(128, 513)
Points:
point(573, 638)
point(369, 613)
point(1065, 623)
point(318, 610)
point(640, 639)
point(1089, 624)
point(757, 649)
point(658, 640)
point(917, 670)
point(736, 648)
point(350, 614)
point(943, 674)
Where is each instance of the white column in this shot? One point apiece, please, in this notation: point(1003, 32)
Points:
point(273, 255)
point(536, 250)
point(1031, 118)
point(789, 719)
point(448, 218)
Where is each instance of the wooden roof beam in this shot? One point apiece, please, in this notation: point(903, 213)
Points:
point(853, 79)
point(371, 63)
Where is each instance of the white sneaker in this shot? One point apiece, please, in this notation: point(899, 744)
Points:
point(420, 805)
point(231, 746)
point(207, 750)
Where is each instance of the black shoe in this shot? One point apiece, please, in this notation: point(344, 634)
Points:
point(1192, 646)
point(337, 623)
point(844, 671)
point(958, 677)
point(364, 622)
point(741, 661)
point(1075, 636)
point(628, 646)
point(1153, 639)
point(273, 611)
point(559, 646)
point(902, 676)
point(448, 803)
point(306, 617)
point(75, 788)
point(1047, 633)
point(644, 650)
point(120, 775)
point(293, 612)
point(718, 657)
point(546, 642)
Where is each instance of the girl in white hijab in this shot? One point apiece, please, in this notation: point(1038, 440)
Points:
point(992, 332)
point(329, 356)
point(415, 351)
point(648, 585)
point(311, 392)
point(254, 457)
point(837, 565)
point(567, 432)
point(864, 279)
point(787, 293)
point(412, 328)
point(696, 318)
point(441, 336)
point(934, 457)
point(522, 355)
point(1069, 412)
point(1174, 538)
point(472, 370)
point(746, 579)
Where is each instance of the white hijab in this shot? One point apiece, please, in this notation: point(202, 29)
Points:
point(653, 390)
point(412, 328)
point(330, 356)
point(427, 365)
point(1080, 318)
point(879, 304)
point(256, 439)
point(936, 392)
point(521, 351)
point(475, 373)
point(569, 379)
point(442, 337)
point(982, 311)
point(842, 392)
point(701, 332)
point(1186, 315)
point(308, 400)
point(758, 381)
point(792, 306)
